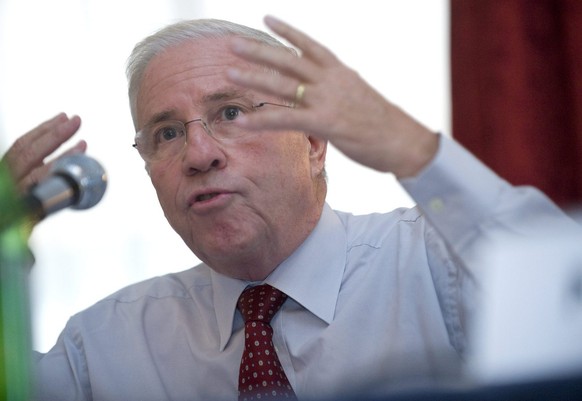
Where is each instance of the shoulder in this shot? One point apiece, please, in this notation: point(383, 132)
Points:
point(170, 285)
point(375, 228)
point(148, 295)
point(132, 315)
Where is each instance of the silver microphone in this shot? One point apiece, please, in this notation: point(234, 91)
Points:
point(75, 181)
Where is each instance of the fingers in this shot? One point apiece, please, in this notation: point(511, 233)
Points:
point(267, 83)
point(293, 72)
point(302, 81)
point(39, 173)
point(310, 49)
point(333, 103)
point(26, 156)
point(308, 68)
point(30, 150)
point(278, 59)
point(278, 118)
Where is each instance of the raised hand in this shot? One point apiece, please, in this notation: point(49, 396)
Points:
point(332, 102)
point(26, 158)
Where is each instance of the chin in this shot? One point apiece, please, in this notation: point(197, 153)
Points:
point(223, 242)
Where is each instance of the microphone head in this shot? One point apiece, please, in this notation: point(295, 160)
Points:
point(86, 174)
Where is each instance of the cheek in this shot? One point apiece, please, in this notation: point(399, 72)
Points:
point(165, 185)
point(294, 162)
point(287, 172)
point(276, 161)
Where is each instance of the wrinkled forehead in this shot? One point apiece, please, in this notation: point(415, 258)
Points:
point(194, 59)
point(190, 71)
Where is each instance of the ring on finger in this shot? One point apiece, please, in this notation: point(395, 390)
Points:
point(299, 93)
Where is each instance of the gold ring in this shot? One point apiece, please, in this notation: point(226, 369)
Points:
point(299, 93)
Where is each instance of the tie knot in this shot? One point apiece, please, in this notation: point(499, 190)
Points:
point(260, 303)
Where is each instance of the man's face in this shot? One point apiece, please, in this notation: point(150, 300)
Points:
point(241, 205)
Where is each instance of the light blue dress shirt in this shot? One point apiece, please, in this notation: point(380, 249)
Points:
point(382, 299)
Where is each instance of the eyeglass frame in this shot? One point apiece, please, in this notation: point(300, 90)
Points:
point(204, 124)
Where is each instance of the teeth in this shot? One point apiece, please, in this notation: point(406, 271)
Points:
point(204, 197)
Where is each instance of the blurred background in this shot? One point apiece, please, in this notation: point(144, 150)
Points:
point(69, 55)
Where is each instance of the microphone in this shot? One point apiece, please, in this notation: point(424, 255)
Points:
point(75, 181)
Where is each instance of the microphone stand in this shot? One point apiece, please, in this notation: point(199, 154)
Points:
point(15, 333)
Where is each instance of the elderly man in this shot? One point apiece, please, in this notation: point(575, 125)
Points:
point(233, 127)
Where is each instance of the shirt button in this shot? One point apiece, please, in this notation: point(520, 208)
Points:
point(436, 205)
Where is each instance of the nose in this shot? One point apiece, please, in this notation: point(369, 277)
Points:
point(201, 151)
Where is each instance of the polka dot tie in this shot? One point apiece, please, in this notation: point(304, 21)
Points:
point(261, 375)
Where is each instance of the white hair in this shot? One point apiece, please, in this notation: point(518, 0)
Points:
point(178, 33)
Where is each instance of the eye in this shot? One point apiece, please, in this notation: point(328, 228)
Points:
point(222, 119)
point(230, 113)
point(167, 133)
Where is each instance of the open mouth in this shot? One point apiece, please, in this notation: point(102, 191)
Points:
point(205, 197)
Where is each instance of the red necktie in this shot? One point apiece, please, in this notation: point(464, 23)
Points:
point(261, 375)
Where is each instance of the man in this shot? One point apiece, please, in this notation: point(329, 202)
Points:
point(233, 128)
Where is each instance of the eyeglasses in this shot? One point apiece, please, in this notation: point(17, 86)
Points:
point(165, 139)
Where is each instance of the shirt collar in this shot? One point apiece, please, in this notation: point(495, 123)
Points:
point(226, 291)
point(312, 276)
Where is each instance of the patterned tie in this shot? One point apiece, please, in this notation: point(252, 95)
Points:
point(261, 375)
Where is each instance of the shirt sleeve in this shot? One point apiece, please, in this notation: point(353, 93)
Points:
point(61, 374)
point(469, 207)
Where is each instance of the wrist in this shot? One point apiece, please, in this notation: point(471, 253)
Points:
point(416, 152)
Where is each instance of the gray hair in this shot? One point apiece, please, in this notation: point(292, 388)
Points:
point(178, 33)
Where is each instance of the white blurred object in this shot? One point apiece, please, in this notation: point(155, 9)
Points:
point(530, 325)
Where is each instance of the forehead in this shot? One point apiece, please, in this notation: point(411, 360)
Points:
point(184, 75)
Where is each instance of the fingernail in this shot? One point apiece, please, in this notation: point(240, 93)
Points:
point(80, 147)
point(269, 19)
point(238, 45)
point(74, 120)
point(233, 73)
point(60, 117)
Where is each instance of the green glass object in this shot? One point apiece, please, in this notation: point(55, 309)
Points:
point(15, 334)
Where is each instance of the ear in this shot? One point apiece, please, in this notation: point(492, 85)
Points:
point(317, 153)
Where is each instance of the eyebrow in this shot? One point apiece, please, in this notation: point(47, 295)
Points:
point(223, 95)
point(206, 99)
point(162, 116)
